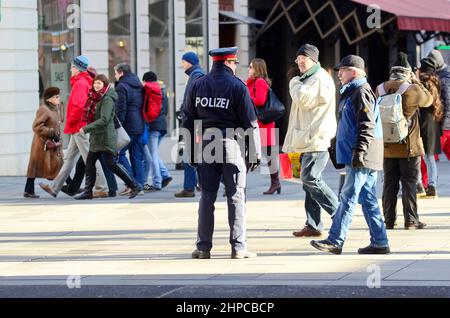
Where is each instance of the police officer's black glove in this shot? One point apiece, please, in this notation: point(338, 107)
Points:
point(357, 159)
point(254, 165)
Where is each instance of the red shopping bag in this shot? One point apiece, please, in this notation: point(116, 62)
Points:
point(285, 166)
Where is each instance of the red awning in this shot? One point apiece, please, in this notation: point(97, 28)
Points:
point(429, 15)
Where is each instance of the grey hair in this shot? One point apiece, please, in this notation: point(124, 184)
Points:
point(122, 68)
point(359, 72)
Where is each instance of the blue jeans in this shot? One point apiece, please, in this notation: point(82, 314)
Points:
point(431, 169)
point(359, 186)
point(317, 193)
point(159, 170)
point(147, 162)
point(136, 150)
point(190, 178)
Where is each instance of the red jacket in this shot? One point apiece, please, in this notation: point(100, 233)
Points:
point(259, 89)
point(81, 84)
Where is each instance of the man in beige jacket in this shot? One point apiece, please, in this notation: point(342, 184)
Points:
point(312, 124)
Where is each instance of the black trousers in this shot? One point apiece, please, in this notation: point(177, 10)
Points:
point(80, 171)
point(73, 185)
point(111, 163)
point(109, 175)
point(406, 171)
point(29, 186)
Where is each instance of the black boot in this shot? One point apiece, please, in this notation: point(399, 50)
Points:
point(87, 195)
point(134, 190)
point(90, 182)
point(275, 185)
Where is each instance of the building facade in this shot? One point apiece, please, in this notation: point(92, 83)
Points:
point(41, 37)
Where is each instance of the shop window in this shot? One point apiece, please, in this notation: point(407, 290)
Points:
point(121, 34)
point(161, 47)
point(59, 43)
point(195, 27)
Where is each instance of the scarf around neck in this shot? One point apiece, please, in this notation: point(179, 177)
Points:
point(357, 82)
point(313, 70)
point(91, 103)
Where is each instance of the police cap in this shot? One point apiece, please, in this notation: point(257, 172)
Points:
point(224, 54)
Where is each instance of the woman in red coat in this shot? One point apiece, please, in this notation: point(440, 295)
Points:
point(258, 84)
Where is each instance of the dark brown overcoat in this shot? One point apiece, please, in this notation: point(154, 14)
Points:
point(45, 163)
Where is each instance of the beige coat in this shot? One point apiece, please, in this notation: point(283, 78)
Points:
point(312, 121)
point(416, 96)
point(45, 163)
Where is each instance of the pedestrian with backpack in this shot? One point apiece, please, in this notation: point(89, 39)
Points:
point(402, 151)
point(155, 112)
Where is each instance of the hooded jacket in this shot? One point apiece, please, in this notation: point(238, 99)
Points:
point(103, 133)
point(130, 102)
point(160, 123)
point(81, 85)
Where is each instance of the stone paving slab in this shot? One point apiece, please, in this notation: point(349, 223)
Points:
point(148, 241)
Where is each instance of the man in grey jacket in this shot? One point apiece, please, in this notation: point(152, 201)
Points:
point(312, 124)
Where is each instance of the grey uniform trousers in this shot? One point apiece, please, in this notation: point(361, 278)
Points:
point(232, 171)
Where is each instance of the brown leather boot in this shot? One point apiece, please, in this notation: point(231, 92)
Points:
point(275, 185)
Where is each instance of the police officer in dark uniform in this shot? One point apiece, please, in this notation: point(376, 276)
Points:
point(220, 102)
